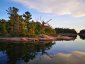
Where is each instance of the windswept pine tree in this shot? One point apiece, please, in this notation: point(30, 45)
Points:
point(14, 20)
point(27, 17)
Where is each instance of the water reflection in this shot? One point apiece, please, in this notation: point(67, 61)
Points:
point(82, 36)
point(63, 51)
point(23, 51)
point(76, 57)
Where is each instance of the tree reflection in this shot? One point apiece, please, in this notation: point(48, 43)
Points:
point(24, 51)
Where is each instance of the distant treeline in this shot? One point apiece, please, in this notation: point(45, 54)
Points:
point(66, 31)
point(82, 34)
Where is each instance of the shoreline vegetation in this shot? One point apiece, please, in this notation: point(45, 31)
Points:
point(23, 28)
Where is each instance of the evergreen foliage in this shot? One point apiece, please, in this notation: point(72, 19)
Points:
point(22, 25)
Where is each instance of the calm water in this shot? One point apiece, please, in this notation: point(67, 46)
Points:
point(58, 52)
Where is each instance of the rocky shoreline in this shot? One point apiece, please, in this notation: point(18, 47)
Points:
point(27, 39)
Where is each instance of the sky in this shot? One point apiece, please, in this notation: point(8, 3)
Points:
point(64, 13)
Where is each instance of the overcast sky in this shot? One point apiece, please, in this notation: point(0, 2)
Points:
point(64, 13)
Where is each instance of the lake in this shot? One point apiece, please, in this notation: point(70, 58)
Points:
point(55, 52)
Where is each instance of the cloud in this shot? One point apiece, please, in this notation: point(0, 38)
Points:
point(60, 58)
point(60, 7)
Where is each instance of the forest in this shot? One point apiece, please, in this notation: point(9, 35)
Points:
point(24, 26)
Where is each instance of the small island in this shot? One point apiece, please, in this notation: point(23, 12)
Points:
point(23, 28)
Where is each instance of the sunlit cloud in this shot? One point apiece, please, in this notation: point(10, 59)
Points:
point(61, 58)
point(60, 7)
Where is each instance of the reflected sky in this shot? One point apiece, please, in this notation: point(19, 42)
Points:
point(67, 46)
point(76, 57)
point(63, 52)
point(3, 58)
